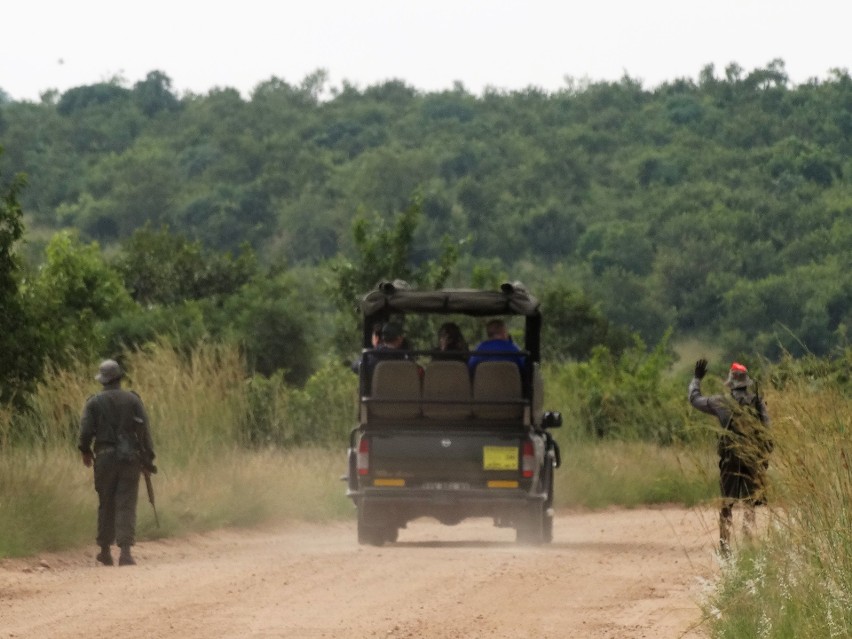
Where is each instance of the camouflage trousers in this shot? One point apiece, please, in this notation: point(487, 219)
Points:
point(117, 485)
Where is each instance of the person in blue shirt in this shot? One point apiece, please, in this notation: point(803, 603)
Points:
point(497, 347)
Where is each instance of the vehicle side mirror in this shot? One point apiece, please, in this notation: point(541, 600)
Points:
point(551, 419)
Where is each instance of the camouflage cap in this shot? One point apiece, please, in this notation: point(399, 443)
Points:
point(109, 371)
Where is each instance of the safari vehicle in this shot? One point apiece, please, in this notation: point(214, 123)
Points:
point(437, 439)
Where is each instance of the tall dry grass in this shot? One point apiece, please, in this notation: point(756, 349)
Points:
point(797, 580)
point(596, 474)
point(213, 470)
point(237, 451)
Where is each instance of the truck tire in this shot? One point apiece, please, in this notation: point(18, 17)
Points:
point(370, 535)
point(530, 527)
point(375, 535)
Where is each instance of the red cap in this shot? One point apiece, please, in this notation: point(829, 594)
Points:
point(736, 367)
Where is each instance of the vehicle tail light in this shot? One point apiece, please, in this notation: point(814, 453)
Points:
point(527, 459)
point(363, 463)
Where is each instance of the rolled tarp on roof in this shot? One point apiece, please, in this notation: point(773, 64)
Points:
point(397, 297)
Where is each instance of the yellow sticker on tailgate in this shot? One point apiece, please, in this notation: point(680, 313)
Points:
point(500, 457)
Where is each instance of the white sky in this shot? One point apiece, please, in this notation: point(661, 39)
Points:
point(505, 44)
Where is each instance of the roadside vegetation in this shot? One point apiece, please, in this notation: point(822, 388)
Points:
point(216, 247)
point(247, 451)
point(241, 451)
point(797, 580)
point(232, 451)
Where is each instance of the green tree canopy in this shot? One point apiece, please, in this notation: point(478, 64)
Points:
point(74, 293)
point(20, 342)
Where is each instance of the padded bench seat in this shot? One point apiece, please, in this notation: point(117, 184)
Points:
point(401, 390)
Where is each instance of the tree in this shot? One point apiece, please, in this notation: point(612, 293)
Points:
point(85, 97)
point(574, 326)
point(20, 343)
point(74, 293)
point(383, 253)
point(662, 201)
point(127, 190)
point(180, 288)
point(227, 216)
point(154, 94)
point(165, 268)
point(102, 117)
point(268, 319)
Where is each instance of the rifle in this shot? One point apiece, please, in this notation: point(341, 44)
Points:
point(148, 470)
point(146, 459)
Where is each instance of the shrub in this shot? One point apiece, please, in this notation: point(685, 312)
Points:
point(630, 396)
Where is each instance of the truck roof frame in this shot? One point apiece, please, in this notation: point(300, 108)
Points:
point(512, 299)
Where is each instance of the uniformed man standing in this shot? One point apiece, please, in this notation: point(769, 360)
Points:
point(114, 421)
point(744, 444)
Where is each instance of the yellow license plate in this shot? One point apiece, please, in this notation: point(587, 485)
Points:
point(500, 458)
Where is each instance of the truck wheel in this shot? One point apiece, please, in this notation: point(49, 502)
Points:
point(370, 535)
point(530, 527)
point(375, 534)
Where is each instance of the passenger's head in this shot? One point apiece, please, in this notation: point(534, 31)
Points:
point(450, 337)
point(392, 335)
point(496, 329)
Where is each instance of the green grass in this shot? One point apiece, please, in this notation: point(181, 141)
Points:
point(49, 502)
point(596, 474)
point(214, 470)
point(246, 488)
point(45, 502)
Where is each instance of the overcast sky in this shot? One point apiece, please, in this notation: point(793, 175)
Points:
point(504, 44)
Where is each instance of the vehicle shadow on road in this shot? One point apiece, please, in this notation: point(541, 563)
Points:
point(472, 543)
point(663, 546)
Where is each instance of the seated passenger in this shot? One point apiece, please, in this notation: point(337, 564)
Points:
point(392, 345)
point(393, 339)
point(498, 347)
point(451, 343)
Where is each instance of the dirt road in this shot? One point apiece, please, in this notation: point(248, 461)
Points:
point(618, 574)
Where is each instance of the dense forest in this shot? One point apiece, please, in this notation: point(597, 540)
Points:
point(718, 208)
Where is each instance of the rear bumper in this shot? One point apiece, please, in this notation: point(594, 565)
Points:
point(398, 506)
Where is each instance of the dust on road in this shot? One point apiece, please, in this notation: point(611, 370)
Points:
point(618, 574)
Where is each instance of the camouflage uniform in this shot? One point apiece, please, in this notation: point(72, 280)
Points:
point(744, 445)
point(115, 421)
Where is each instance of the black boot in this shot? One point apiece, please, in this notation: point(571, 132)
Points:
point(104, 556)
point(125, 558)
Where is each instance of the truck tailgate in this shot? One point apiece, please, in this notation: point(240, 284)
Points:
point(445, 459)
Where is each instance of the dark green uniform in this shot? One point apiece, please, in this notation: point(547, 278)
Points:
point(744, 445)
point(115, 422)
